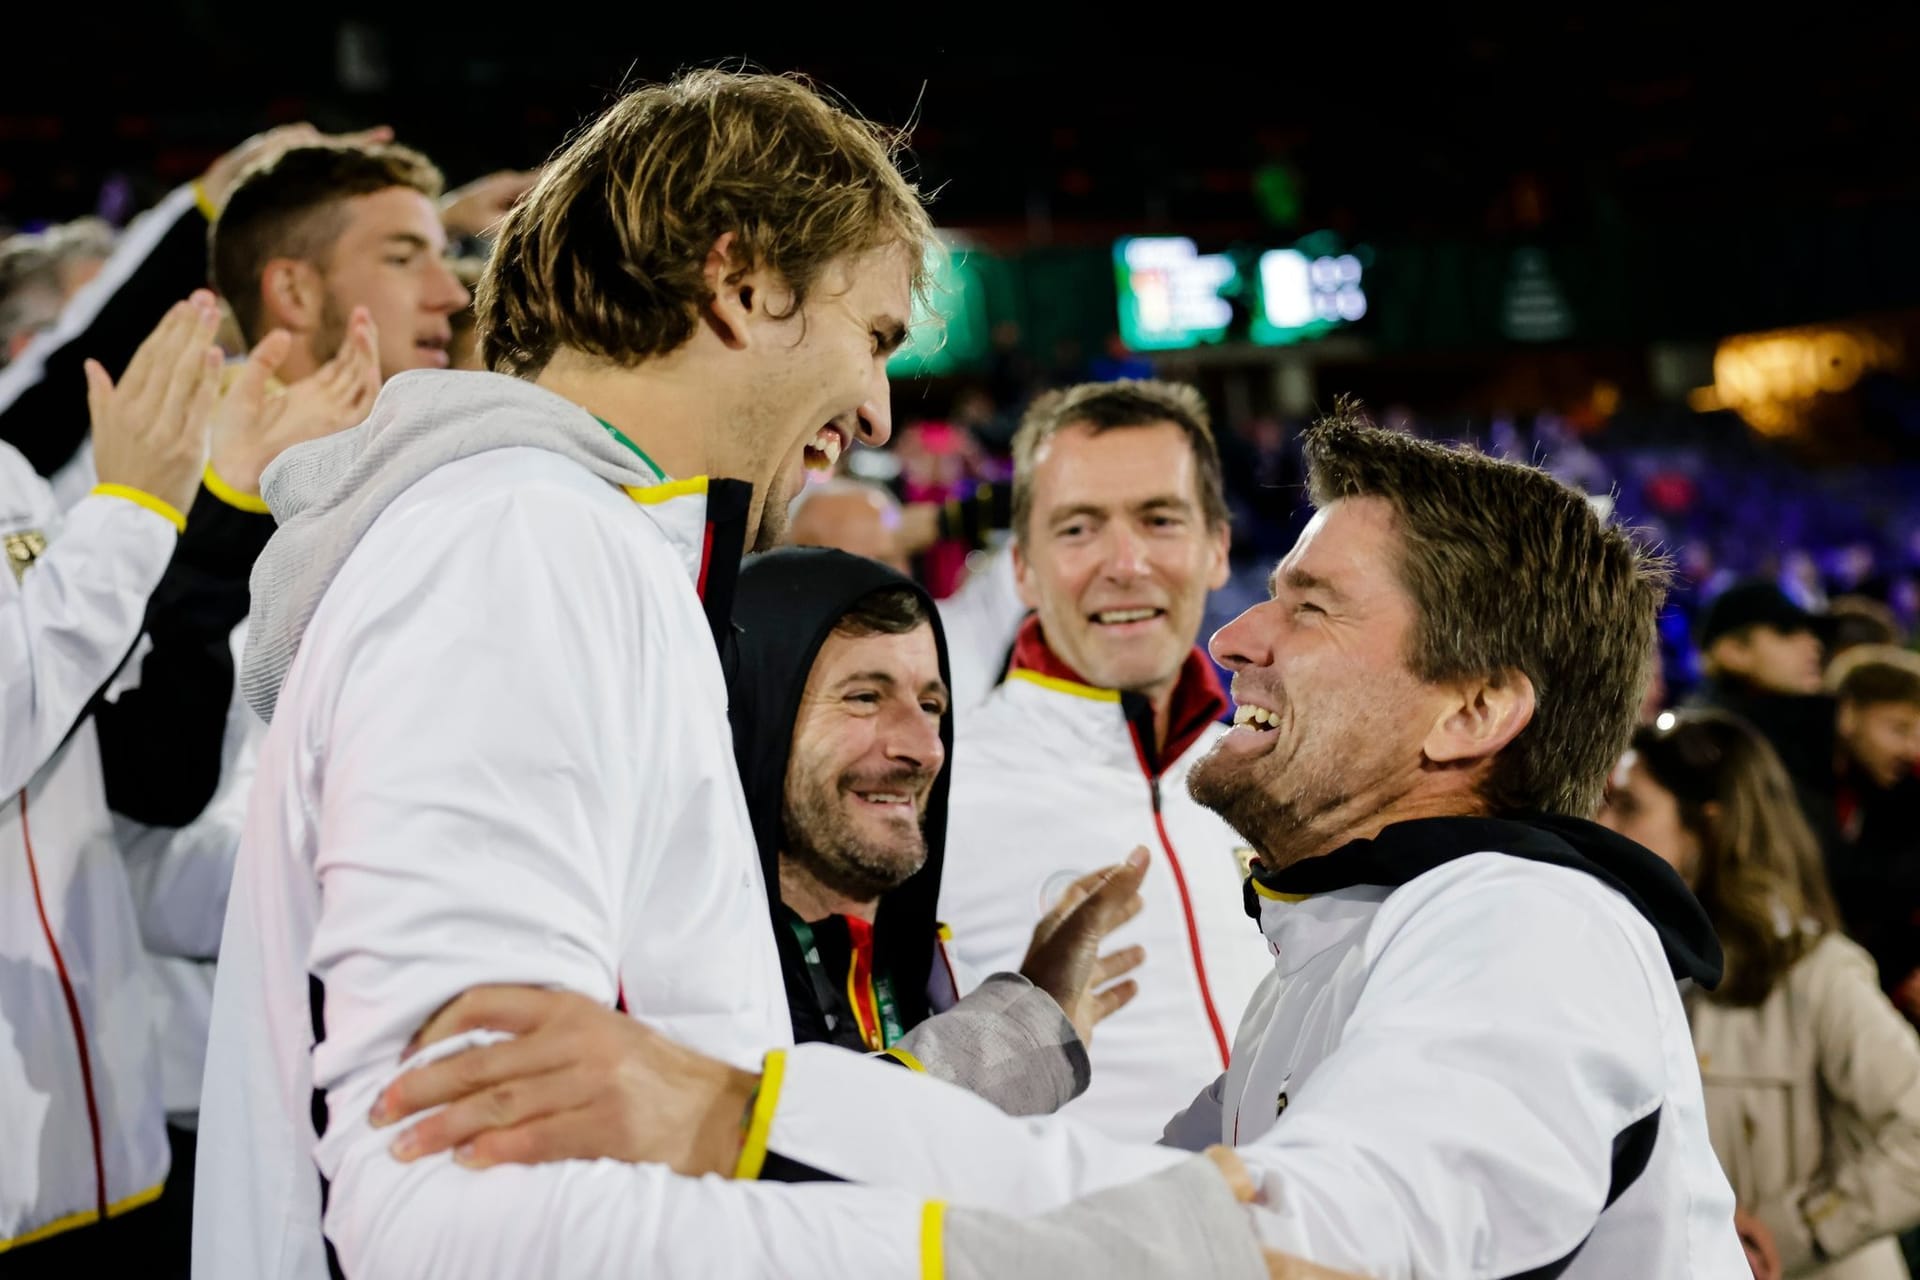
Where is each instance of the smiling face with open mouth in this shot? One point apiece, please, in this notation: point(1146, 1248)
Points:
point(1117, 556)
point(1328, 718)
point(866, 752)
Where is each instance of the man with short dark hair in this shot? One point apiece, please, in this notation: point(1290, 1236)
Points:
point(1755, 640)
point(319, 230)
point(1876, 876)
point(1761, 653)
point(1120, 530)
point(1470, 1057)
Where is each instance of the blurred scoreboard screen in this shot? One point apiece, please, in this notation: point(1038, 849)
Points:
point(1172, 296)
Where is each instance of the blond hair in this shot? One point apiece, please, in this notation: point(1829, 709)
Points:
point(607, 254)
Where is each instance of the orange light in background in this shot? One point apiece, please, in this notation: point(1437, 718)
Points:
point(1775, 380)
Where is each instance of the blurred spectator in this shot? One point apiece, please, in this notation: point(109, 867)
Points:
point(858, 518)
point(161, 257)
point(1762, 657)
point(1878, 878)
point(1858, 620)
point(463, 348)
point(979, 619)
point(1757, 641)
point(39, 274)
point(1812, 1079)
point(319, 230)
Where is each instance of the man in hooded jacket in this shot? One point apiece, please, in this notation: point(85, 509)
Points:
point(839, 697)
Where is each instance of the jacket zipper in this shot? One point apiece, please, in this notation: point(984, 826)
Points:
point(1186, 898)
point(73, 1013)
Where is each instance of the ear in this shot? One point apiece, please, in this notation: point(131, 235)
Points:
point(1480, 718)
point(1023, 577)
point(734, 294)
point(1218, 543)
point(292, 296)
point(1847, 720)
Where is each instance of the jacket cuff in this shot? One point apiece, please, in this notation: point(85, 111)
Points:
point(220, 489)
point(141, 498)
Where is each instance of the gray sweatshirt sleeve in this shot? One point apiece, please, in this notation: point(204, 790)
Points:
point(1008, 1042)
point(1182, 1221)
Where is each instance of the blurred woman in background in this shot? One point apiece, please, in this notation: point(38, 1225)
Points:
point(1812, 1078)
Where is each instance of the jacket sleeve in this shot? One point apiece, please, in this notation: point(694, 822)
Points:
point(476, 823)
point(981, 620)
point(70, 621)
point(929, 1137)
point(161, 741)
point(1869, 1064)
point(1007, 1041)
point(159, 260)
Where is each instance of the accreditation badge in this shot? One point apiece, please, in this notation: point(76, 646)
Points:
point(23, 549)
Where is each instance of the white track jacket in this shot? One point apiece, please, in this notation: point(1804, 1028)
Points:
point(1464, 1063)
point(82, 1132)
point(501, 755)
point(1049, 783)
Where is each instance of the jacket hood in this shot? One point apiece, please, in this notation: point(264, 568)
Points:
point(786, 604)
point(1409, 849)
point(327, 493)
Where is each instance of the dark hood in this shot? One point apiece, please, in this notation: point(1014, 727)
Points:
point(1409, 849)
point(786, 604)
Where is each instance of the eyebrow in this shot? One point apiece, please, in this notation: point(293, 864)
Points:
point(1301, 580)
point(1159, 502)
point(884, 678)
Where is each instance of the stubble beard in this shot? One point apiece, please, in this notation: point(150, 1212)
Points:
point(822, 840)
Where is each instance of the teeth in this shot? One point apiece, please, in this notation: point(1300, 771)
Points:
point(880, 797)
point(1126, 615)
point(1256, 716)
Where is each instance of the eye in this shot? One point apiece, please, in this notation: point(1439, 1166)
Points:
point(865, 698)
point(1306, 607)
point(1074, 530)
point(1164, 522)
point(400, 260)
point(934, 708)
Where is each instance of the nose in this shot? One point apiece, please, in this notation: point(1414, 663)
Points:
point(1243, 642)
point(914, 740)
point(448, 294)
point(1126, 551)
point(876, 415)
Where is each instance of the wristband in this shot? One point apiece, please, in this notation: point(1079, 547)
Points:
point(141, 498)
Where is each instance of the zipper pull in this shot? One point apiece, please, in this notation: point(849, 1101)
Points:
point(1153, 785)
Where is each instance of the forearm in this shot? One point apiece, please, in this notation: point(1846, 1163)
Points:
point(1008, 1042)
point(71, 621)
point(858, 1120)
point(1184, 1220)
point(161, 743)
point(598, 1218)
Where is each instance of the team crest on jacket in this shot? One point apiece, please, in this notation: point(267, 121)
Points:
point(1244, 855)
point(23, 549)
